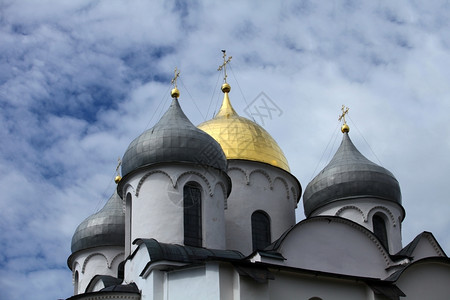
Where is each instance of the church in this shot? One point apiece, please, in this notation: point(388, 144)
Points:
point(208, 212)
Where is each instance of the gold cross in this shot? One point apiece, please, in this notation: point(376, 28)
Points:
point(119, 163)
point(344, 112)
point(174, 80)
point(224, 65)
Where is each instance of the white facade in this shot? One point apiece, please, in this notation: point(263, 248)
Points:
point(86, 264)
point(154, 204)
point(258, 187)
point(362, 211)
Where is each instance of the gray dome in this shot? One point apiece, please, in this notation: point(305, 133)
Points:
point(104, 228)
point(349, 175)
point(173, 139)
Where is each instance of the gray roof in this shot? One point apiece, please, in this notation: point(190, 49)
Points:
point(104, 228)
point(349, 175)
point(187, 254)
point(173, 139)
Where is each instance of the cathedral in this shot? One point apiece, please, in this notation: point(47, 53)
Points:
point(208, 212)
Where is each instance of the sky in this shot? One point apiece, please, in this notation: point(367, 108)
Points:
point(79, 80)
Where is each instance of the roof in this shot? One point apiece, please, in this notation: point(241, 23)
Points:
point(173, 139)
point(186, 254)
point(241, 138)
point(104, 228)
point(349, 175)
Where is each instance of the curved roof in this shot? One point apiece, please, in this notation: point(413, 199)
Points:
point(104, 228)
point(241, 138)
point(348, 175)
point(173, 139)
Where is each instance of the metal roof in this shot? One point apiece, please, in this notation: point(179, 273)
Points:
point(185, 254)
point(104, 228)
point(173, 139)
point(349, 175)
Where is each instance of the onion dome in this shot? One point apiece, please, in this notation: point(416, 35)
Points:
point(173, 139)
point(241, 138)
point(104, 228)
point(350, 175)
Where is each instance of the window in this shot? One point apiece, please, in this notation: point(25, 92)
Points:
point(260, 230)
point(379, 229)
point(128, 216)
point(192, 208)
point(75, 283)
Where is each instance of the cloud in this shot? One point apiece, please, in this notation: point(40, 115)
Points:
point(80, 80)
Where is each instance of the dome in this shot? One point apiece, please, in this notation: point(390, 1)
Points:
point(349, 175)
point(241, 138)
point(173, 139)
point(104, 228)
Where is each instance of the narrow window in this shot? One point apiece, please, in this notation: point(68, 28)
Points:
point(260, 230)
point(128, 216)
point(192, 206)
point(379, 229)
point(75, 283)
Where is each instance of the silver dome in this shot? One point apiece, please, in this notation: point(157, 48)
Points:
point(173, 139)
point(104, 228)
point(349, 175)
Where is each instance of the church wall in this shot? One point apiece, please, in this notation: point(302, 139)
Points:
point(426, 280)
point(334, 245)
point(96, 261)
point(157, 203)
point(362, 210)
point(258, 186)
point(289, 285)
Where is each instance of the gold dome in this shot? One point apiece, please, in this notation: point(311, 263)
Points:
point(241, 138)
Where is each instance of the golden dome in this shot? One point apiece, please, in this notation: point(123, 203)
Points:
point(241, 138)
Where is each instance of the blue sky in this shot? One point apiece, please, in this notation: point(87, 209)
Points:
point(79, 80)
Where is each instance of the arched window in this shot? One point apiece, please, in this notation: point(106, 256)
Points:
point(128, 216)
point(75, 283)
point(379, 229)
point(192, 210)
point(315, 298)
point(260, 230)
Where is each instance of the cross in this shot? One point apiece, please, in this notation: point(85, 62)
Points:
point(344, 112)
point(174, 80)
point(224, 65)
point(119, 163)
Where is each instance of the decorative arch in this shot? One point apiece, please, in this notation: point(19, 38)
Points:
point(224, 190)
point(148, 174)
point(247, 180)
point(89, 258)
point(265, 175)
point(75, 266)
point(115, 258)
point(200, 175)
point(358, 227)
point(286, 186)
point(125, 188)
point(384, 209)
point(349, 207)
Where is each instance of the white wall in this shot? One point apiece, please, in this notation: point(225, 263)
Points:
point(96, 261)
point(361, 210)
point(258, 186)
point(157, 203)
